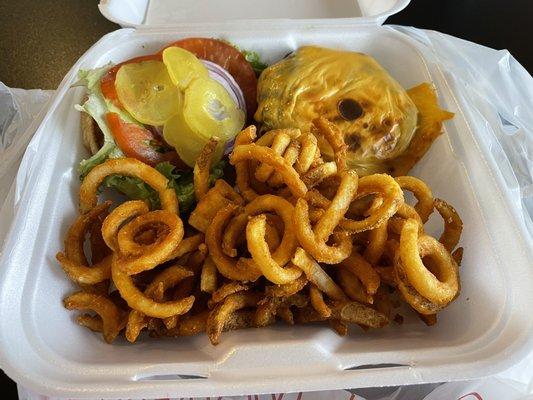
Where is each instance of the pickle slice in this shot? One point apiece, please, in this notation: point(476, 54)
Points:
point(183, 66)
point(147, 92)
point(188, 144)
point(208, 110)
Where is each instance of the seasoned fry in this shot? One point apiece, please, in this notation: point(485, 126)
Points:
point(412, 249)
point(391, 194)
point(317, 301)
point(377, 238)
point(227, 266)
point(279, 145)
point(453, 226)
point(358, 266)
point(258, 247)
point(112, 318)
point(213, 201)
point(221, 313)
point(422, 192)
point(308, 150)
point(287, 289)
point(138, 301)
point(351, 285)
point(227, 290)
point(148, 257)
point(335, 139)
point(127, 167)
point(242, 169)
point(268, 156)
point(202, 167)
point(208, 278)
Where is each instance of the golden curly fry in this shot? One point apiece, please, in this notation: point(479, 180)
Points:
point(227, 266)
point(317, 301)
point(132, 257)
point(453, 226)
point(202, 167)
point(127, 167)
point(351, 285)
point(208, 278)
point(412, 250)
point(111, 315)
point(279, 144)
point(422, 192)
point(308, 150)
point(268, 156)
point(214, 200)
point(116, 219)
point(139, 301)
point(92, 322)
point(335, 139)
point(291, 157)
point(392, 197)
point(287, 289)
point(220, 314)
point(377, 238)
point(358, 266)
point(263, 259)
point(73, 261)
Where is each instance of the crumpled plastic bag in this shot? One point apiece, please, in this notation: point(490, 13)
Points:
point(499, 92)
point(19, 108)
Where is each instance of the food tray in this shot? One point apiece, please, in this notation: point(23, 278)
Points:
point(485, 330)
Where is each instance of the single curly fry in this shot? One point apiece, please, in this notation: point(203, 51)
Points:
point(262, 257)
point(202, 167)
point(227, 266)
point(139, 301)
point(111, 315)
point(453, 225)
point(127, 167)
point(422, 192)
point(268, 156)
point(317, 301)
point(383, 186)
point(439, 290)
point(219, 316)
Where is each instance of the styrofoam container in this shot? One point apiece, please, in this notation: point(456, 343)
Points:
point(485, 330)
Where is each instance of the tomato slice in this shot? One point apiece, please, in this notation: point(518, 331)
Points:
point(107, 82)
point(229, 58)
point(138, 142)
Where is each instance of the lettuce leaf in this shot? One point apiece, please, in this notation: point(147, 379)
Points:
point(253, 58)
point(180, 181)
point(97, 107)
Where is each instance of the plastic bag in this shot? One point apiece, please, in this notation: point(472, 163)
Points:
point(498, 93)
point(18, 110)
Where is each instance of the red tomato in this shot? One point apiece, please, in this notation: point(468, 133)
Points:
point(229, 58)
point(107, 83)
point(138, 142)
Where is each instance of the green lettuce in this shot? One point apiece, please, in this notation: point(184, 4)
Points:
point(181, 181)
point(97, 106)
point(253, 58)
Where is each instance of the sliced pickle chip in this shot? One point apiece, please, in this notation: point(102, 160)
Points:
point(208, 110)
point(147, 92)
point(187, 143)
point(183, 66)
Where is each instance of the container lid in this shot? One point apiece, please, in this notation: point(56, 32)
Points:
point(160, 13)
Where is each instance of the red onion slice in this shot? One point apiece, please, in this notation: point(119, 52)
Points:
point(223, 77)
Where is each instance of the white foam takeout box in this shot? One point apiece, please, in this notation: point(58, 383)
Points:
point(487, 329)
